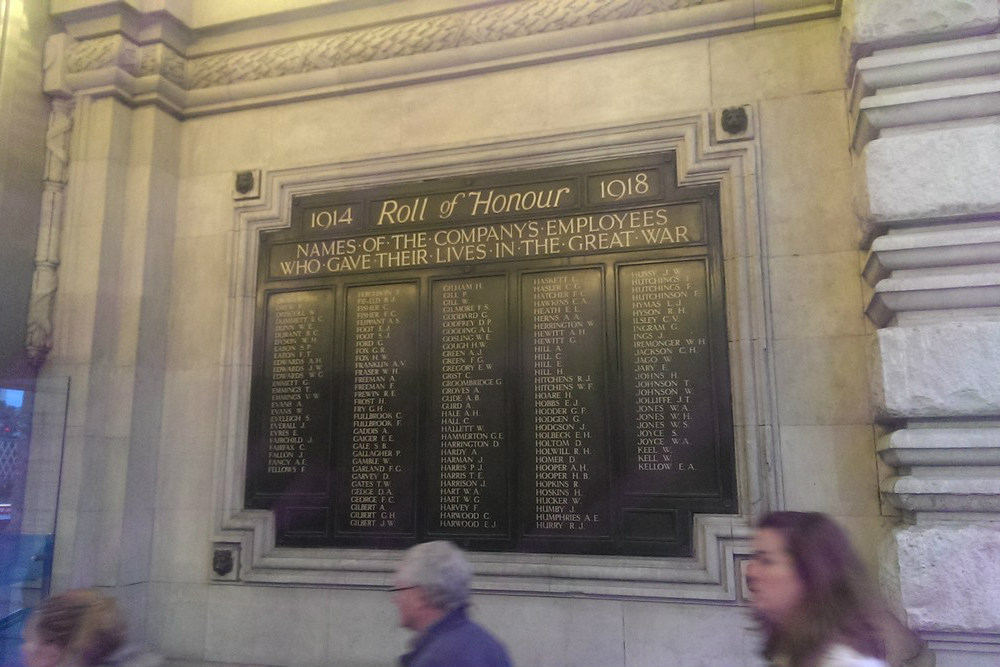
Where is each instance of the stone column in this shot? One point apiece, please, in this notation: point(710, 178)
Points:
point(925, 111)
point(108, 335)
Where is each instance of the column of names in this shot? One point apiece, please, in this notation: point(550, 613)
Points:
point(564, 349)
point(668, 377)
point(380, 359)
point(467, 415)
point(298, 364)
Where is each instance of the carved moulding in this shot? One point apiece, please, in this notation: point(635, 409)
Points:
point(942, 82)
point(947, 264)
point(141, 70)
point(721, 541)
point(919, 277)
point(932, 455)
point(38, 340)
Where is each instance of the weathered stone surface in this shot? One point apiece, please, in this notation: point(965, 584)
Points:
point(886, 23)
point(947, 576)
point(937, 448)
point(948, 173)
point(937, 371)
point(932, 493)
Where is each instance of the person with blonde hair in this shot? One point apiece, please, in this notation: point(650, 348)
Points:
point(80, 628)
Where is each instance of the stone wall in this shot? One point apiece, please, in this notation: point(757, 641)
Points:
point(158, 260)
point(924, 115)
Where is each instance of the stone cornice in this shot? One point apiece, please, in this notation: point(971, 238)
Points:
point(943, 470)
point(928, 273)
point(920, 85)
point(150, 58)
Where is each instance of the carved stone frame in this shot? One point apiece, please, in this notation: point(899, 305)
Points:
point(721, 541)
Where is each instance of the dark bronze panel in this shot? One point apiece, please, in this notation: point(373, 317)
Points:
point(658, 525)
point(570, 235)
point(531, 361)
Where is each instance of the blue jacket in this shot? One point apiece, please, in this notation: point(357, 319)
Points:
point(456, 641)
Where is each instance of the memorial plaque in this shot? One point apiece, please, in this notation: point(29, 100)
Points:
point(531, 361)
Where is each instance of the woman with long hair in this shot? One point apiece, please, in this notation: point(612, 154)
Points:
point(814, 602)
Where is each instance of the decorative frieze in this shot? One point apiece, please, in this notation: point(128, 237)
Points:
point(163, 60)
point(133, 62)
point(101, 52)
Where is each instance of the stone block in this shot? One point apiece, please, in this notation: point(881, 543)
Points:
point(887, 23)
point(933, 175)
point(913, 298)
point(822, 381)
point(177, 618)
point(941, 447)
point(942, 370)
point(928, 493)
point(943, 470)
point(243, 625)
point(798, 283)
point(181, 546)
point(944, 576)
point(937, 83)
point(372, 636)
point(829, 469)
point(579, 631)
point(201, 266)
point(807, 175)
point(777, 62)
point(671, 634)
point(204, 205)
point(947, 247)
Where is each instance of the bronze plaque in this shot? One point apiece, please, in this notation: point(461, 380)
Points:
point(530, 361)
